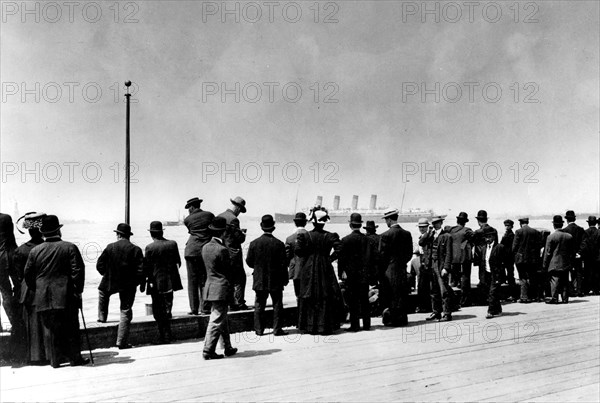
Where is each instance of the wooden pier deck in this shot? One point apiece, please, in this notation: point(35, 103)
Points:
point(534, 352)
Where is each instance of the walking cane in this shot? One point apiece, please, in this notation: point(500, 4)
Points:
point(86, 335)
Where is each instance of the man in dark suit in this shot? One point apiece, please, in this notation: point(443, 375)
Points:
point(356, 265)
point(590, 252)
point(396, 249)
point(558, 260)
point(8, 246)
point(439, 241)
point(56, 273)
point(577, 270)
point(479, 239)
point(234, 238)
point(121, 265)
point(526, 250)
point(161, 269)
point(462, 256)
point(492, 259)
point(218, 291)
point(290, 251)
point(266, 255)
point(424, 274)
point(197, 223)
point(508, 275)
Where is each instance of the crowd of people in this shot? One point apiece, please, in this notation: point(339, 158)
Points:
point(43, 279)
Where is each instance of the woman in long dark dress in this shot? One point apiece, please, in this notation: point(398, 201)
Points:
point(319, 298)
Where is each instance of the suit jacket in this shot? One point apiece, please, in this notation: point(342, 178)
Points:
point(357, 258)
point(121, 265)
point(21, 291)
point(496, 262)
point(526, 245)
point(290, 254)
point(266, 255)
point(233, 237)
point(425, 244)
point(441, 251)
point(559, 252)
point(577, 233)
point(219, 275)
point(590, 246)
point(479, 240)
point(56, 272)
point(161, 266)
point(197, 225)
point(461, 244)
point(507, 240)
point(396, 247)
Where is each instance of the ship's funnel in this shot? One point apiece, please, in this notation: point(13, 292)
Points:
point(319, 201)
point(336, 202)
point(354, 202)
point(373, 203)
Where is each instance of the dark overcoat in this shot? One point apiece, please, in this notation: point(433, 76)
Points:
point(197, 224)
point(317, 278)
point(577, 232)
point(121, 265)
point(461, 244)
point(357, 258)
point(293, 259)
point(266, 255)
point(56, 272)
point(396, 249)
point(161, 266)
point(526, 245)
point(219, 280)
point(559, 251)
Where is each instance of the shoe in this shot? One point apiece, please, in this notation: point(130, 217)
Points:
point(193, 313)
point(367, 328)
point(234, 308)
point(230, 351)
point(124, 346)
point(213, 356)
point(552, 302)
point(489, 316)
point(434, 316)
point(80, 361)
point(205, 312)
point(244, 307)
point(259, 332)
point(352, 329)
point(524, 301)
point(446, 318)
point(280, 332)
point(580, 295)
point(101, 321)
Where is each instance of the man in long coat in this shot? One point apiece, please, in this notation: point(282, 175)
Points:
point(492, 260)
point(590, 252)
point(121, 265)
point(424, 274)
point(526, 250)
point(56, 273)
point(197, 223)
point(161, 269)
point(462, 256)
point(508, 275)
point(356, 265)
point(218, 291)
point(290, 251)
point(578, 234)
point(266, 255)
point(439, 242)
point(479, 240)
point(396, 248)
point(558, 260)
point(233, 238)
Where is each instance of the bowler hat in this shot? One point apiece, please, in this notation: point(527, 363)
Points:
point(124, 229)
point(463, 216)
point(371, 225)
point(570, 214)
point(524, 220)
point(300, 217)
point(218, 224)
point(50, 224)
point(509, 222)
point(356, 218)
point(557, 220)
point(423, 222)
point(592, 220)
point(489, 231)
point(156, 226)
point(241, 203)
point(390, 213)
point(437, 218)
point(267, 222)
point(193, 201)
point(482, 215)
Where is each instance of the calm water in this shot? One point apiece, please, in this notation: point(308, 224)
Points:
point(92, 239)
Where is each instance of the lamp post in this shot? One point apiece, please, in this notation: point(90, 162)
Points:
point(127, 152)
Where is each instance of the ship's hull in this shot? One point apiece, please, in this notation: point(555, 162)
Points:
point(343, 218)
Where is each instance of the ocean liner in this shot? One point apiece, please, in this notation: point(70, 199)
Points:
point(373, 213)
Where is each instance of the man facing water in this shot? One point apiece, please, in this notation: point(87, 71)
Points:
point(121, 267)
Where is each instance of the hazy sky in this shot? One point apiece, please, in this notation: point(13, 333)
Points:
point(366, 119)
